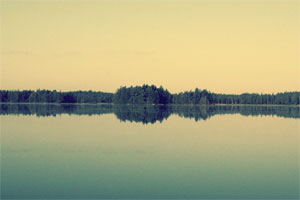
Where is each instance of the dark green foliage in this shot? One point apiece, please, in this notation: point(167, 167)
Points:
point(286, 98)
point(68, 98)
point(47, 96)
point(193, 97)
point(142, 95)
point(147, 95)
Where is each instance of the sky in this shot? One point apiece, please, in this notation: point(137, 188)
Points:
point(225, 46)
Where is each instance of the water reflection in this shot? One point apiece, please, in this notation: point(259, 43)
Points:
point(77, 156)
point(146, 113)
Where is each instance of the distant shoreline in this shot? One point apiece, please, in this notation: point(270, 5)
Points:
point(147, 113)
point(95, 104)
point(148, 95)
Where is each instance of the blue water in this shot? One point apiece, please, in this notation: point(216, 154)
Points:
point(109, 152)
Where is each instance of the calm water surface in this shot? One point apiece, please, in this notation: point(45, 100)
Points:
point(149, 152)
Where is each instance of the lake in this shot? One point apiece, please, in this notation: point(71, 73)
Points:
point(149, 152)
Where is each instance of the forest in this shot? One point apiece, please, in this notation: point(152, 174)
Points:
point(146, 94)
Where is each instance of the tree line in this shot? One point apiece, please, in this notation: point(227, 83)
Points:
point(53, 96)
point(146, 94)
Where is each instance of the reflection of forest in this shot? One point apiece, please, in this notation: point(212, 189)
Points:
point(147, 113)
point(54, 109)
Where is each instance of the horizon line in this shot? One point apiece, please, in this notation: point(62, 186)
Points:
point(191, 90)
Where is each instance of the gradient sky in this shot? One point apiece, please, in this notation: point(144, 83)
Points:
point(226, 46)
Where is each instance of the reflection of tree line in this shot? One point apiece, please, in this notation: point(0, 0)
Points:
point(144, 114)
point(205, 112)
point(147, 113)
point(44, 110)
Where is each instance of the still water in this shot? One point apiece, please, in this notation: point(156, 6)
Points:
point(149, 152)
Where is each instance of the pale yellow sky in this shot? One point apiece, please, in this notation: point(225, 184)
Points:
point(226, 46)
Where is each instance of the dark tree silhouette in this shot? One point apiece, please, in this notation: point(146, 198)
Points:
point(146, 95)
